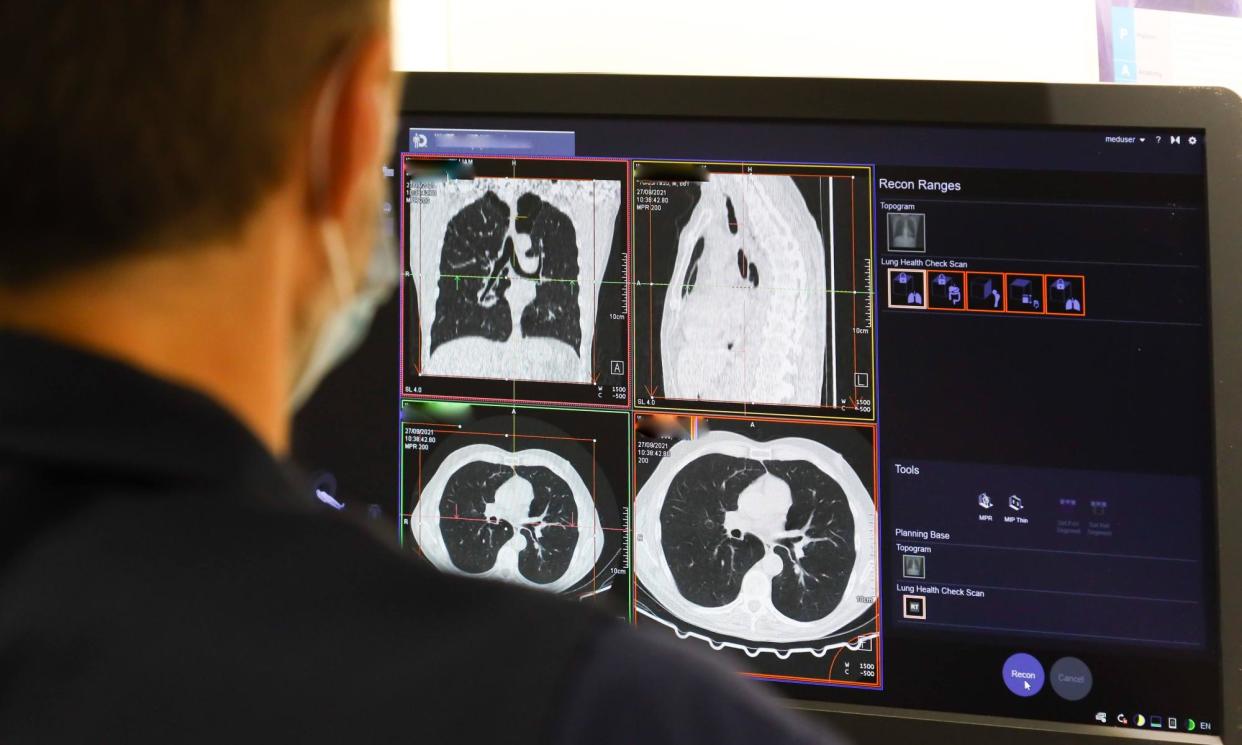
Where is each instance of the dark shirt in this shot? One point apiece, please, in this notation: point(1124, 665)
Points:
point(164, 579)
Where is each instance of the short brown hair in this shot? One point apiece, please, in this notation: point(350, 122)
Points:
point(131, 122)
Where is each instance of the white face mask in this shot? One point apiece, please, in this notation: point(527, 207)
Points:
point(343, 331)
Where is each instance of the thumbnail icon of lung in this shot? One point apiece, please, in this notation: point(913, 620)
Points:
point(745, 317)
point(521, 516)
point(767, 542)
point(508, 272)
point(908, 289)
point(1064, 295)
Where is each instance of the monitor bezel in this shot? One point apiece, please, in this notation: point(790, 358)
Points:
point(1215, 111)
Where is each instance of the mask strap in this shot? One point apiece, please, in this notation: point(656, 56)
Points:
point(321, 131)
point(338, 261)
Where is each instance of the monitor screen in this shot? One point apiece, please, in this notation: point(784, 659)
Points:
point(898, 416)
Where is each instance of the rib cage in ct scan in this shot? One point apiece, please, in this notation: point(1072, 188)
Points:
point(762, 542)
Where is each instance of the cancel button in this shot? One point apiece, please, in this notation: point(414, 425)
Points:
point(1070, 678)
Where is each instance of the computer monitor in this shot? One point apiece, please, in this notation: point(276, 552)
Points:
point(910, 399)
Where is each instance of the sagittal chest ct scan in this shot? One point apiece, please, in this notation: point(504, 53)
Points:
point(877, 415)
point(751, 281)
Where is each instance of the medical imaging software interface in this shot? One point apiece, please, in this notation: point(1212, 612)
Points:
point(883, 415)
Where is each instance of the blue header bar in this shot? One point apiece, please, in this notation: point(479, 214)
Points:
point(514, 142)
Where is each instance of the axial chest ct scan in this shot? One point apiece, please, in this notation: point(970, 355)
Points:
point(757, 542)
point(520, 516)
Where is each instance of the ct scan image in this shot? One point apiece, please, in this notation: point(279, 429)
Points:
point(751, 285)
point(514, 495)
point(759, 538)
point(515, 278)
point(769, 347)
point(907, 232)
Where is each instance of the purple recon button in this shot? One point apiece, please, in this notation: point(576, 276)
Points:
point(1023, 675)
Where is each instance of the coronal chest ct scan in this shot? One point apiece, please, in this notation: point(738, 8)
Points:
point(511, 270)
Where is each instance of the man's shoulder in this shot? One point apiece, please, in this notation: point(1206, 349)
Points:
point(309, 622)
point(272, 614)
point(313, 566)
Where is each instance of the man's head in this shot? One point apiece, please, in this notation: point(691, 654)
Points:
point(199, 141)
point(139, 123)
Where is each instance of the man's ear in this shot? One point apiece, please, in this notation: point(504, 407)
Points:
point(360, 126)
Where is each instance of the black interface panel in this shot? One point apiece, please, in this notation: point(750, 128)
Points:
point(886, 415)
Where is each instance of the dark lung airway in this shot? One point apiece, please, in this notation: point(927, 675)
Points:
point(512, 260)
point(692, 272)
point(708, 563)
point(747, 268)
